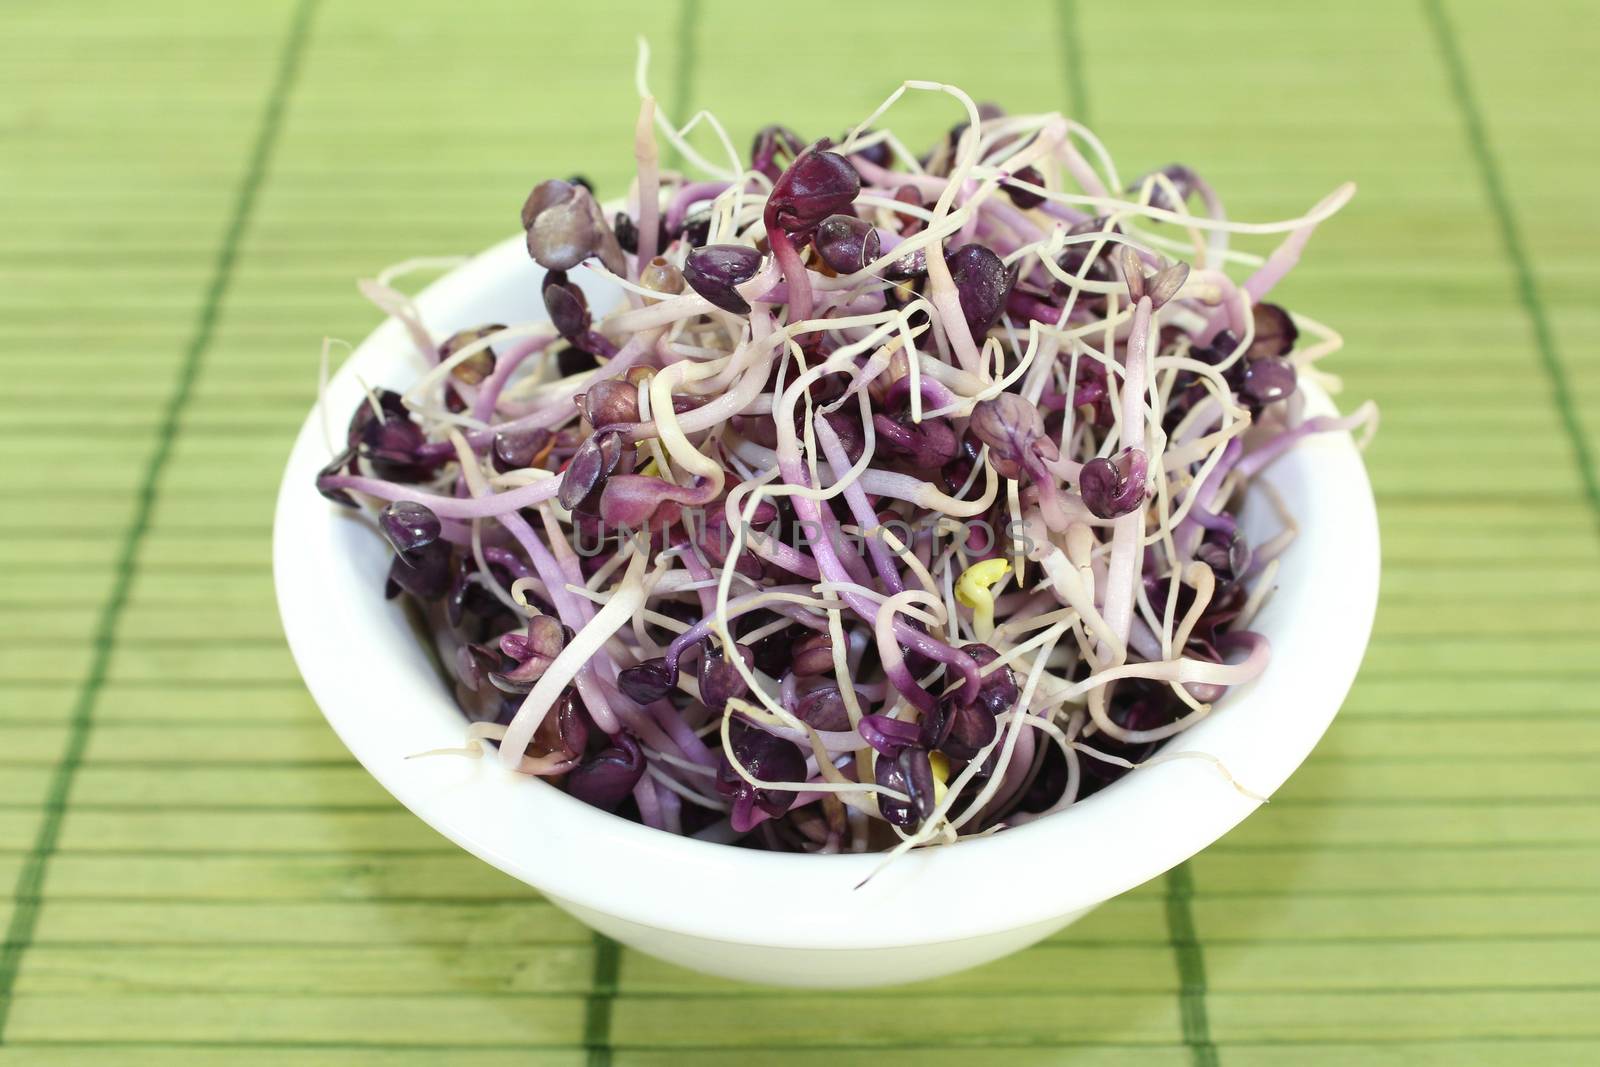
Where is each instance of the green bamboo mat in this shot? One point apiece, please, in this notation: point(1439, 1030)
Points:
point(201, 874)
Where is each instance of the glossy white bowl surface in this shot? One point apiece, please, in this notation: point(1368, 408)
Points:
point(798, 919)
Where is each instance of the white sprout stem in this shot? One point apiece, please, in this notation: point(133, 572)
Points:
point(1128, 531)
point(648, 160)
point(608, 620)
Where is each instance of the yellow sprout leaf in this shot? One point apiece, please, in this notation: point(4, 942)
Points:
point(941, 775)
point(972, 590)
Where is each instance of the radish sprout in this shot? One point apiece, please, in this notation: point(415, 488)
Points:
point(897, 502)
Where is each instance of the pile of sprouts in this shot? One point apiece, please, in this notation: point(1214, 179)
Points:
point(895, 501)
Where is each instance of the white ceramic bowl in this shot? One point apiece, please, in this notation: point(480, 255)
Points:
point(796, 919)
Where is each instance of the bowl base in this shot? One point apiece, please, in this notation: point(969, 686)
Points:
point(819, 968)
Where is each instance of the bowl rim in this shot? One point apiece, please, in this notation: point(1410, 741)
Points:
point(579, 855)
